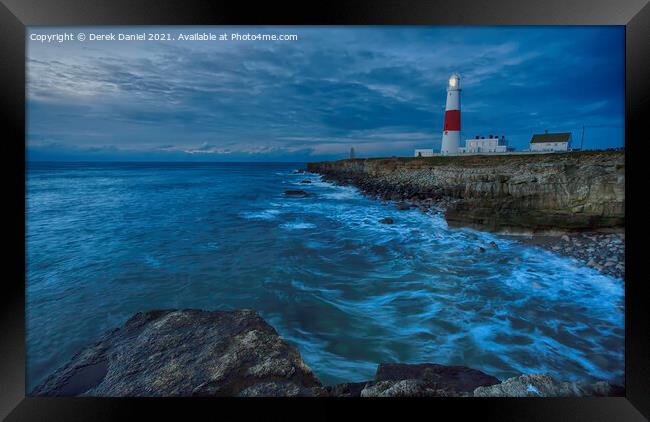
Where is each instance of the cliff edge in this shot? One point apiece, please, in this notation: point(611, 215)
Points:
point(531, 193)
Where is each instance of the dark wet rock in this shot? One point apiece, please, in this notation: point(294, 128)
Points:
point(434, 377)
point(386, 220)
point(406, 388)
point(348, 389)
point(317, 392)
point(186, 353)
point(481, 249)
point(402, 206)
point(493, 245)
point(542, 385)
point(306, 181)
point(296, 193)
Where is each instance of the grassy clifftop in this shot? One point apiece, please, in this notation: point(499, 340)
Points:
point(485, 160)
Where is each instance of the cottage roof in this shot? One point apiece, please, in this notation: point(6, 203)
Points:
point(550, 137)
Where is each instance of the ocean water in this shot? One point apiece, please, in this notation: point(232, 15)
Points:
point(106, 240)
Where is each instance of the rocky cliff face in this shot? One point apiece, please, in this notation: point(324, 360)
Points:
point(236, 353)
point(507, 193)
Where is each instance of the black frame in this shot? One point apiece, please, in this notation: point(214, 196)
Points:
point(15, 15)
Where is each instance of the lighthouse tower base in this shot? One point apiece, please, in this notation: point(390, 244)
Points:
point(450, 143)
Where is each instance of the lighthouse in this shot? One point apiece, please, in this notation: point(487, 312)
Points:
point(451, 130)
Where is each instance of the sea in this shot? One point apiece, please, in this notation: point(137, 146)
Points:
point(107, 240)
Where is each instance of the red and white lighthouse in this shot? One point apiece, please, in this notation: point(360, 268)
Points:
point(451, 131)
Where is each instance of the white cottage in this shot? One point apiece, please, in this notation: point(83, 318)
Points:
point(483, 145)
point(550, 142)
point(423, 153)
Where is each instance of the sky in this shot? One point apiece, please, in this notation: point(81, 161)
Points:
point(380, 90)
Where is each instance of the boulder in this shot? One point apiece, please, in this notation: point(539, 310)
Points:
point(431, 379)
point(296, 193)
point(186, 353)
point(402, 206)
point(407, 388)
point(386, 220)
point(347, 389)
point(542, 385)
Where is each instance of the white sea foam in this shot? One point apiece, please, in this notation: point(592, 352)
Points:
point(343, 193)
point(268, 214)
point(298, 225)
point(472, 288)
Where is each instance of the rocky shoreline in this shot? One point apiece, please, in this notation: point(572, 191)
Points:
point(540, 193)
point(602, 251)
point(193, 352)
point(570, 204)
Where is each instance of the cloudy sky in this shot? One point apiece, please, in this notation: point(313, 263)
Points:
point(380, 90)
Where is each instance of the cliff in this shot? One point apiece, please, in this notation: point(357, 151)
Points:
point(506, 193)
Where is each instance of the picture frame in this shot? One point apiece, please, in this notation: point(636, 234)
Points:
point(16, 15)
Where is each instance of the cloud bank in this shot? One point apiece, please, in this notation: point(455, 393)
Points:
point(380, 90)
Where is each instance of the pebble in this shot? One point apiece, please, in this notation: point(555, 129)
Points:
point(604, 252)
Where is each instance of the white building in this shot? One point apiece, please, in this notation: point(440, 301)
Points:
point(483, 145)
point(423, 153)
point(550, 142)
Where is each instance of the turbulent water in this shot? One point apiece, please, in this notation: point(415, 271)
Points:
point(107, 240)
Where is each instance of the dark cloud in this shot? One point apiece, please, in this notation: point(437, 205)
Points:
point(379, 89)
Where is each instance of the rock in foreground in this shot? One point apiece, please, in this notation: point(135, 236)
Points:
point(459, 378)
point(426, 380)
point(186, 353)
point(236, 353)
point(347, 389)
point(542, 385)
